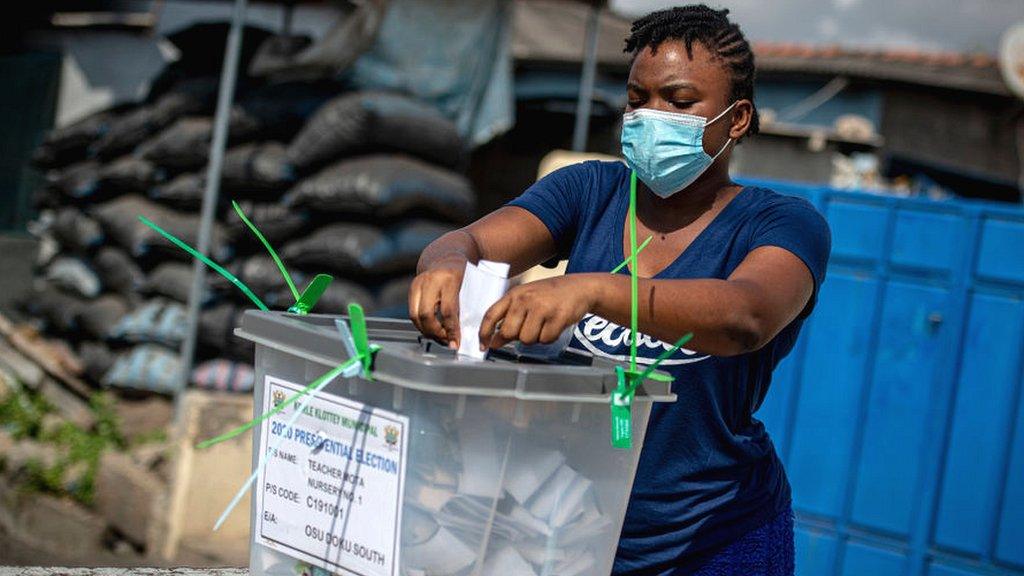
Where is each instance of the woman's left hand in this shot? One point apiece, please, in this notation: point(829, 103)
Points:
point(539, 311)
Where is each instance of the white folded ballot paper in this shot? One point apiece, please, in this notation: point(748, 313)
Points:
point(482, 285)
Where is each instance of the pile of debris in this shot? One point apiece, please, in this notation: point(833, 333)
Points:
point(83, 475)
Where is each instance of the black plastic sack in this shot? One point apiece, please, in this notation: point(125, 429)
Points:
point(281, 109)
point(386, 186)
point(335, 299)
point(158, 320)
point(148, 367)
point(408, 240)
point(257, 170)
point(276, 222)
point(216, 332)
point(129, 174)
point(73, 275)
point(118, 272)
point(360, 250)
point(75, 231)
point(393, 298)
point(98, 319)
point(261, 275)
point(119, 219)
point(97, 359)
point(224, 375)
point(348, 248)
point(126, 132)
point(188, 97)
point(48, 248)
point(366, 121)
point(170, 279)
point(76, 181)
point(70, 143)
point(184, 192)
point(184, 145)
point(46, 196)
point(58, 309)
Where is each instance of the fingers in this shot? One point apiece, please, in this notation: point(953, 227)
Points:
point(449, 308)
point(424, 311)
point(552, 330)
point(529, 333)
point(434, 302)
point(511, 325)
point(491, 318)
point(415, 292)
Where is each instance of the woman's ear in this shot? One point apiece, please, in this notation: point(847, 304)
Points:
point(742, 114)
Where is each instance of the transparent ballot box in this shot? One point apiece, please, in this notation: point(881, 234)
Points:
point(434, 465)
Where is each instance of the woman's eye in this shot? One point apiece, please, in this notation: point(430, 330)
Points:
point(682, 104)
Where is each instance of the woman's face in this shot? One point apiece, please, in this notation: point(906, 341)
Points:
point(670, 81)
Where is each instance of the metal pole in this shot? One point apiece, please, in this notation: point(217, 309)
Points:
point(228, 75)
point(586, 94)
point(286, 21)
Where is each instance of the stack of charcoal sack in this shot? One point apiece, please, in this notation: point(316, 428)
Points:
point(352, 184)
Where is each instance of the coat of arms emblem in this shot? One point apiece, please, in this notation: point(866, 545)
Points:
point(392, 435)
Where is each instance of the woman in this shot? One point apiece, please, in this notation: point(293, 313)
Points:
point(737, 266)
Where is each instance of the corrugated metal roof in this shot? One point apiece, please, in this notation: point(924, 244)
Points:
point(554, 31)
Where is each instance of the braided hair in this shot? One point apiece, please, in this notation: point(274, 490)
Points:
point(712, 28)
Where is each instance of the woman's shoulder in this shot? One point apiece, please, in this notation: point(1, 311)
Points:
point(763, 202)
point(787, 221)
point(764, 197)
point(611, 170)
point(588, 180)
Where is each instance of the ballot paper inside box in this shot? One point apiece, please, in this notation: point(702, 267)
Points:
point(436, 466)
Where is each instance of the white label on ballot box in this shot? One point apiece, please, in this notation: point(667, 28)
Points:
point(331, 493)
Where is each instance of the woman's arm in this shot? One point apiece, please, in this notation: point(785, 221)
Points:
point(727, 317)
point(509, 234)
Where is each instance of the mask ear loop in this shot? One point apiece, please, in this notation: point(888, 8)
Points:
point(722, 149)
point(715, 119)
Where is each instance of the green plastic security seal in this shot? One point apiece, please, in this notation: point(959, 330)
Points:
point(259, 235)
point(304, 302)
point(357, 321)
point(205, 260)
point(629, 380)
point(311, 294)
point(631, 259)
point(622, 412)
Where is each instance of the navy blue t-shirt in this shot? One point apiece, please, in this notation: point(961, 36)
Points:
point(708, 472)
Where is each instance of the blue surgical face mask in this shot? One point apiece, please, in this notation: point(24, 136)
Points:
point(666, 149)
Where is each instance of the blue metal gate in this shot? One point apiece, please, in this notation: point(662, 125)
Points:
point(899, 414)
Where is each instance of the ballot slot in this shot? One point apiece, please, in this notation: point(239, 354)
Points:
point(507, 468)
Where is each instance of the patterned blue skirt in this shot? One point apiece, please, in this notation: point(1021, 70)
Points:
point(764, 551)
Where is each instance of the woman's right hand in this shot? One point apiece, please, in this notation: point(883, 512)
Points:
point(434, 300)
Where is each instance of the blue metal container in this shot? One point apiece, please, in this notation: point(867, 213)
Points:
point(899, 414)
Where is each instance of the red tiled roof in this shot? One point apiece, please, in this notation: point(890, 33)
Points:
point(893, 55)
point(973, 72)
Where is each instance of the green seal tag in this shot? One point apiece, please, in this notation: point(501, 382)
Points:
point(622, 412)
point(311, 294)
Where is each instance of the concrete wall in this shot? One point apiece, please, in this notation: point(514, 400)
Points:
point(969, 132)
point(782, 158)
